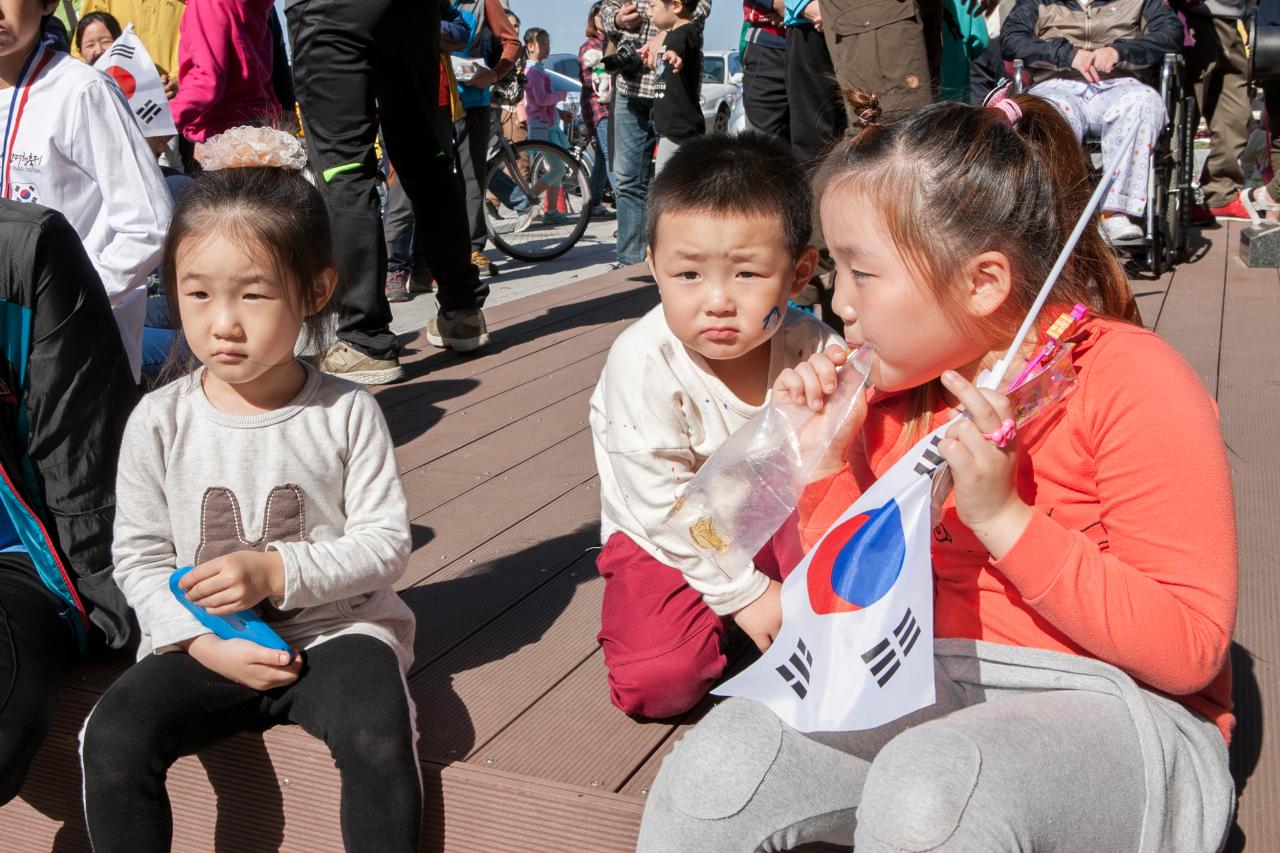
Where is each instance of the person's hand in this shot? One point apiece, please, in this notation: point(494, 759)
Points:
point(982, 7)
point(987, 500)
point(235, 582)
point(1105, 59)
point(762, 618)
point(484, 78)
point(811, 383)
point(1083, 62)
point(246, 662)
point(170, 86)
point(629, 17)
point(565, 115)
point(654, 49)
point(157, 144)
point(813, 13)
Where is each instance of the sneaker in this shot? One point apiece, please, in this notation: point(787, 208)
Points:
point(1200, 216)
point(555, 217)
point(460, 331)
point(397, 286)
point(615, 266)
point(1117, 229)
point(421, 281)
point(1234, 210)
point(602, 212)
point(349, 363)
point(483, 264)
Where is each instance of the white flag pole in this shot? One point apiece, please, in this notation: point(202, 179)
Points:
point(1086, 218)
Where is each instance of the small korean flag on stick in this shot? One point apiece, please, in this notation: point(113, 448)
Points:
point(856, 646)
point(129, 65)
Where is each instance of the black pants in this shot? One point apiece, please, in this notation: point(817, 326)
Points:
point(350, 695)
point(36, 643)
point(764, 89)
point(358, 62)
point(473, 134)
point(817, 112)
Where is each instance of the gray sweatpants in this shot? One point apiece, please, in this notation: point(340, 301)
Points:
point(986, 768)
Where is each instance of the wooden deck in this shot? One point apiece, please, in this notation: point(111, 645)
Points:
point(521, 749)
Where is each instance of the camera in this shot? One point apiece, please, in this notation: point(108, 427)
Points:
point(626, 61)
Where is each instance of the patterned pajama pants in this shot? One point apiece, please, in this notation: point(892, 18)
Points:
point(1110, 109)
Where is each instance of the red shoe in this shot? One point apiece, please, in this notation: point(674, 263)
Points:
point(1199, 215)
point(1235, 210)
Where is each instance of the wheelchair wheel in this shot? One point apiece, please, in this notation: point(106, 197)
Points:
point(1173, 194)
point(1188, 121)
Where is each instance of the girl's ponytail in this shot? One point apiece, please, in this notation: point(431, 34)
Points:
point(1094, 265)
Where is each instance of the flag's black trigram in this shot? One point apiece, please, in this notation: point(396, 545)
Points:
point(907, 632)
point(148, 111)
point(883, 659)
point(797, 675)
point(120, 49)
point(931, 457)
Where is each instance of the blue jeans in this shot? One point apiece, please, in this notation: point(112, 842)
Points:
point(600, 171)
point(634, 137)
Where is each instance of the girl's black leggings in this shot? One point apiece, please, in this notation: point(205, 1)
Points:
point(350, 695)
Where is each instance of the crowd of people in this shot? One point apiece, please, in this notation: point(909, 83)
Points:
point(310, 172)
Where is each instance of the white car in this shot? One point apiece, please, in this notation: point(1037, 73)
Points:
point(721, 88)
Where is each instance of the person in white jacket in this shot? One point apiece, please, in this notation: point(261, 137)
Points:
point(70, 143)
point(729, 230)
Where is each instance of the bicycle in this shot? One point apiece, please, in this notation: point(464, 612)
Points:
point(532, 225)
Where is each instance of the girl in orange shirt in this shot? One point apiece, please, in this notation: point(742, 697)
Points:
point(1084, 568)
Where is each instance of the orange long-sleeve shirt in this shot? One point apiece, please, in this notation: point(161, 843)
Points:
point(1130, 556)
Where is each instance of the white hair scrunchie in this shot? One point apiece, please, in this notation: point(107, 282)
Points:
point(251, 147)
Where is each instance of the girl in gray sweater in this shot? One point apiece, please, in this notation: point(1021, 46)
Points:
point(279, 484)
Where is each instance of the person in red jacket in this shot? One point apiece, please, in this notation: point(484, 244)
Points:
point(1084, 569)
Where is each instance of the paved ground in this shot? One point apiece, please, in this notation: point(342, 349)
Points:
point(517, 279)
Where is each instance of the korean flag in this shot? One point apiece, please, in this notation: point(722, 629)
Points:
point(856, 646)
point(129, 65)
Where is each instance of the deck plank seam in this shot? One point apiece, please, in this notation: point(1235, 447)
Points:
point(499, 427)
point(418, 667)
point(516, 717)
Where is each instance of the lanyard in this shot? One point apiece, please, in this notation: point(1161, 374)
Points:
point(17, 103)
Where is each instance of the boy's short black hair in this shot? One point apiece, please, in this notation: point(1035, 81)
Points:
point(751, 174)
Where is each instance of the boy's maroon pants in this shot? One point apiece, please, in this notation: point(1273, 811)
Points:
point(663, 646)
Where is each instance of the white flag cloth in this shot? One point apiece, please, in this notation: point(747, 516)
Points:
point(856, 646)
point(129, 65)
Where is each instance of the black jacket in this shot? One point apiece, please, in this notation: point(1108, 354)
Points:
point(66, 391)
point(1045, 34)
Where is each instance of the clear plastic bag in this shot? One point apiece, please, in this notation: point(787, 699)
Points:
point(753, 482)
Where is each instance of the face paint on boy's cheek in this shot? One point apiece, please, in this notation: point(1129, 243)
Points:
point(772, 319)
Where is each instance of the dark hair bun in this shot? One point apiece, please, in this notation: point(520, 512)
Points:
point(864, 106)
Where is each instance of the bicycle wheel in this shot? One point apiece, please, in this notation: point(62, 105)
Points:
point(541, 228)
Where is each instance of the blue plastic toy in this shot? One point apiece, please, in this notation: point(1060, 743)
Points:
point(243, 625)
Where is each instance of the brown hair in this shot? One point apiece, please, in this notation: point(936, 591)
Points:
point(952, 181)
point(276, 209)
point(592, 30)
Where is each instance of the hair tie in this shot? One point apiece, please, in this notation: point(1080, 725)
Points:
point(1001, 100)
point(251, 147)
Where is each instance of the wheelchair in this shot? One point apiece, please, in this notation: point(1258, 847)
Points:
point(1166, 239)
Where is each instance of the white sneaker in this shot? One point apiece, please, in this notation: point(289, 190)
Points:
point(1117, 229)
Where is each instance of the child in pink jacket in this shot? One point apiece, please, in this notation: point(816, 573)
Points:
point(224, 68)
